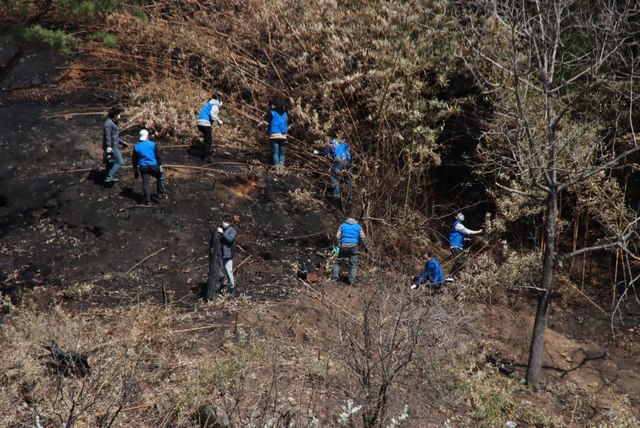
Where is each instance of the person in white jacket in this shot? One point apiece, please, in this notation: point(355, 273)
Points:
point(206, 118)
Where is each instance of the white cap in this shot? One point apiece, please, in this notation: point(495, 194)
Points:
point(144, 134)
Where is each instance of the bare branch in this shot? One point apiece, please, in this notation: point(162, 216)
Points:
point(520, 192)
point(591, 249)
point(593, 171)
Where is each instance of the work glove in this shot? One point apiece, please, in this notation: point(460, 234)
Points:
point(220, 122)
point(220, 230)
point(109, 150)
point(316, 152)
point(136, 173)
point(161, 169)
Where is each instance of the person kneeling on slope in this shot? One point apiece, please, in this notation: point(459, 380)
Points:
point(432, 276)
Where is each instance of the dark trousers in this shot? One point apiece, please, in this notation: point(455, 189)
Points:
point(428, 284)
point(350, 253)
point(459, 258)
point(147, 173)
point(207, 137)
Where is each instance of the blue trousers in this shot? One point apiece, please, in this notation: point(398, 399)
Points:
point(118, 162)
point(277, 149)
point(336, 172)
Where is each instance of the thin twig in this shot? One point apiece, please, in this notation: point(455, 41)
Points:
point(66, 114)
point(589, 299)
point(206, 327)
point(145, 259)
point(241, 263)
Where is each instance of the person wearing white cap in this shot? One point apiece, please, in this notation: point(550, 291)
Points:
point(148, 162)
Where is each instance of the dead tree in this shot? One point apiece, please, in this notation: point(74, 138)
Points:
point(545, 63)
point(215, 266)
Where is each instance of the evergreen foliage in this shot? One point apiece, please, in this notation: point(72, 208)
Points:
point(36, 34)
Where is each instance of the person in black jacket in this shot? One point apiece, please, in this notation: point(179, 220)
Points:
point(110, 141)
point(227, 240)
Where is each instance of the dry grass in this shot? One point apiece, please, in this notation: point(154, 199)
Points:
point(258, 362)
point(485, 277)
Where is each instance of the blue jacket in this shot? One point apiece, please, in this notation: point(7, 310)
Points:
point(350, 233)
point(206, 115)
point(146, 154)
point(456, 238)
point(432, 273)
point(339, 151)
point(278, 123)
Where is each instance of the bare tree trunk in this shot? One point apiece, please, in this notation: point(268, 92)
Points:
point(536, 353)
point(215, 261)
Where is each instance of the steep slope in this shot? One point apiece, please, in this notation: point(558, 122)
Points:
point(86, 265)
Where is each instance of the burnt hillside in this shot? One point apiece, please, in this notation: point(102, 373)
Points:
point(88, 266)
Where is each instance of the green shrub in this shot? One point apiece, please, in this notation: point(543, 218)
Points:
point(62, 11)
point(108, 39)
point(140, 15)
point(56, 39)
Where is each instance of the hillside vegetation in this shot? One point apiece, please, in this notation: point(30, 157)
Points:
point(447, 105)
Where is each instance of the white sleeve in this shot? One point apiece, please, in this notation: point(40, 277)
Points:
point(214, 114)
point(460, 228)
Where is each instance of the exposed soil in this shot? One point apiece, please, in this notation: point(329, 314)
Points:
point(579, 349)
point(62, 230)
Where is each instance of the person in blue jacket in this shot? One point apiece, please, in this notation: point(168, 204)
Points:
point(278, 126)
point(206, 118)
point(340, 152)
point(147, 161)
point(432, 276)
point(349, 235)
point(456, 242)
